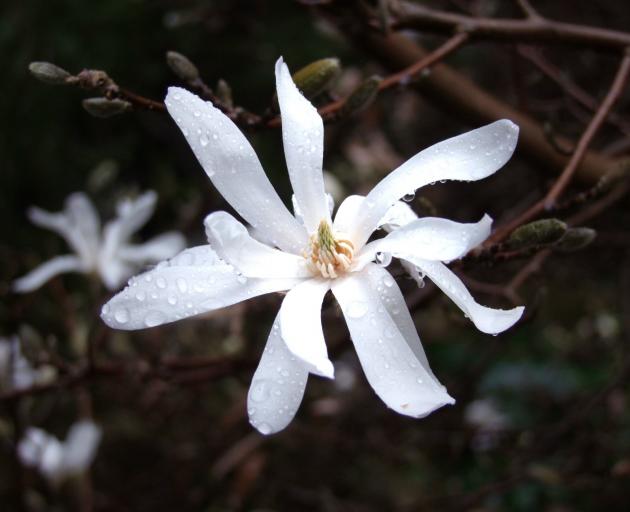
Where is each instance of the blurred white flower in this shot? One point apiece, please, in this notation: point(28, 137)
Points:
point(309, 254)
point(15, 370)
point(484, 415)
point(108, 253)
point(59, 460)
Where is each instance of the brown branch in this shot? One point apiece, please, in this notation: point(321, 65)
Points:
point(532, 28)
point(580, 150)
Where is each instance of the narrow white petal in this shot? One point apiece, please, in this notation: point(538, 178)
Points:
point(471, 156)
point(114, 271)
point(38, 276)
point(233, 243)
point(303, 138)
point(82, 214)
point(159, 248)
point(234, 169)
point(394, 370)
point(193, 282)
point(277, 386)
point(345, 219)
point(301, 325)
point(79, 448)
point(488, 320)
point(399, 214)
point(432, 238)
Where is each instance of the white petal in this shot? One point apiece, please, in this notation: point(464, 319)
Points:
point(84, 217)
point(395, 372)
point(345, 219)
point(114, 272)
point(193, 282)
point(234, 169)
point(79, 448)
point(432, 238)
point(488, 320)
point(399, 214)
point(159, 248)
point(277, 386)
point(471, 156)
point(303, 138)
point(38, 276)
point(233, 243)
point(132, 215)
point(301, 325)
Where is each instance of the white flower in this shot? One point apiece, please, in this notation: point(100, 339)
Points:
point(15, 370)
point(108, 253)
point(309, 254)
point(58, 460)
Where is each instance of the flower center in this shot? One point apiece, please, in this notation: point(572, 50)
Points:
point(329, 255)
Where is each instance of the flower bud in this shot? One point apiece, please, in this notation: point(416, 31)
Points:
point(539, 232)
point(48, 73)
point(575, 239)
point(103, 108)
point(361, 97)
point(182, 66)
point(224, 93)
point(317, 76)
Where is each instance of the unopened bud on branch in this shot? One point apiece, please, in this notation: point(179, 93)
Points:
point(104, 108)
point(224, 93)
point(362, 97)
point(575, 239)
point(539, 232)
point(182, 66)
point(317, 76)
point(48, 73)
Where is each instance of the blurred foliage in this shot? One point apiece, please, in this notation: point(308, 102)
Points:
point(172, 445)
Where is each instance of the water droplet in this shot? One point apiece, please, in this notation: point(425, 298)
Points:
point(105, 309)
point(241, 279)
point(153, 318)
point(389, 332)
point(196, 113)
point(121, 315)
point(140, 296)
point(409, 197)
point(203, 140)
point(259, 391)
point(182, 285)
point(357, 309)
point(215, 136)
point(172, 300)
point(264, 428)
point(388, 281)
point(160, 282)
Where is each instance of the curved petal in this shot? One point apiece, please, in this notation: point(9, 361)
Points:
point(277, 386)
point(303, 139)
point(114, 272)
point(399, 214)
point(159, 248)
point(431, 238)
point(38, 276)
point(234, 169)
point(252, 258)
point(79, 448)
point(82, 214)
point(193, 282)
point(345, 219)
point(468, 157)
point(488, 320)
point(301, 326)
point(395, 372)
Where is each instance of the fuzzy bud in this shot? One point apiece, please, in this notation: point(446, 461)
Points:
point(317, 76)
point(182, 66)
point(575, 239)
point(48, 73)
point(104, 108)
point(362, 96)
point(224, 93)
point(539, 232)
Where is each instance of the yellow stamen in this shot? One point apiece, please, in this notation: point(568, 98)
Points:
point(330, 255)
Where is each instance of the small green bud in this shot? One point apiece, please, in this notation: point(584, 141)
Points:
point(539, 232)
point(104, 108)
point(317, 76)
point(362, 96)
point(575, 239)
point(48, 73)
point(224, 93)
point(182, 66)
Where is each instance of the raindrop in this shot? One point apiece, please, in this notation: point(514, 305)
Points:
point(153, 318)
point(383, 258)
point(357, 309)
point(260, 391)
point(172, 300)
point(203, 140)
point(182, 285)
point(160, 282)
point(121, 315)
point(409, 197)
point(140, 296)
point(264, 428)
point(388, 281)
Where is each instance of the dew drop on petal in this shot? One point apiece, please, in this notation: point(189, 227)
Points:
point(264, 428)
point(182, 285)
point(121, 315)
point(160, 282)
point(357, 309)
point(260, 391)
point(153, 318)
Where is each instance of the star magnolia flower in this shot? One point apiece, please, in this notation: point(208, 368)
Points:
point(308, 254)
point(15, 370)
point(59, 460)
point(108, 253)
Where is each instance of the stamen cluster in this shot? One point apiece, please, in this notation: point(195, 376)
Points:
point(330, 255)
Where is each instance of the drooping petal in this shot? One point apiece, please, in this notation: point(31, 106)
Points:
point(79, 448)
point(38, 276)
point(159, 248)
point(233, 243)
point(277, 386)
point(394, 370)
point(234, 169)
point(488, 320)
point(193, 282)
point(431, 238)
point(301, 325)
point(471, 156)
point(303, 138)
